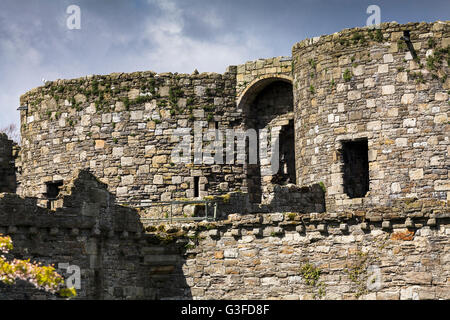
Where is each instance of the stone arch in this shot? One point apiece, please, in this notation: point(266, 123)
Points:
point(256, 86)
point(267, 103)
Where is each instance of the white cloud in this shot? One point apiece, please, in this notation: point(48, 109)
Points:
point(34, 46)
point(176, 51)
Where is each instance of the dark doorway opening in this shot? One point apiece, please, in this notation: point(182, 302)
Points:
point(196, 187)
point(286, 173)
point(355, 156)
point(270, 104)
point(53, 189)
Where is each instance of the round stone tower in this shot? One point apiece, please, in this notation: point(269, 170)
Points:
point(372, 114)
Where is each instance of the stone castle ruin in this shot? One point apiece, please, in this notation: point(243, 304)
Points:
point(361, 121)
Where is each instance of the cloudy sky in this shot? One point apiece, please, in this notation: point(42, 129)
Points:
point(168, 35)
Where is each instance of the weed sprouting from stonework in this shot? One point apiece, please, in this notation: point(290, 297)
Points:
point(379, 36)
point(431, 43)
point(347, 75)
point(418, 76)
point(357, 268)
point(322, 186)
point(332, 83)
point(401, 45)
point(358, 38)
point(311, 275)
point(434, 62)
point(291, 216)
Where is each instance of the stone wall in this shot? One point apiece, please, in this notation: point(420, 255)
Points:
point(89, 230)
point(253, 256)
point(374, 85)
point(273, 256)
point(8, 152)
point(252, 72)
point(354, 85)
point(122, 127)
point(265, 98)
point(361, 99)
point(271, 110)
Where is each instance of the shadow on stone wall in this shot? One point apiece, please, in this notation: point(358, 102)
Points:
point(117, 259)
point(292, 198)
point(289, 198)
point(8, 152)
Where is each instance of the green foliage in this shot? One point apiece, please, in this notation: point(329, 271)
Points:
point(162, 103)
point(174, 94)
point(311, 275)
point(332, 83)
point(358, 37)
point(344, 42)
point(347, 75)
point(379, 36)
point(312, 90)
point(190, 101)
point(418, 76)
point(435, 62)
point(42, 277)
point(141, 100)
point(401, 45)
point(208, 108)
point(356, 270)
point(322, 185)
point(291, 216)
point(126, 103)
point(431, 43)
point(95, 89)
point(312, 63)
point(150, 86)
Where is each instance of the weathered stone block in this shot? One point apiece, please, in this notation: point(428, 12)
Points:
point(388, 89)
point(416, 174)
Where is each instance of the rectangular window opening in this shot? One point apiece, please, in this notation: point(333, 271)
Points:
point(355, 156)
point(53, 189)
